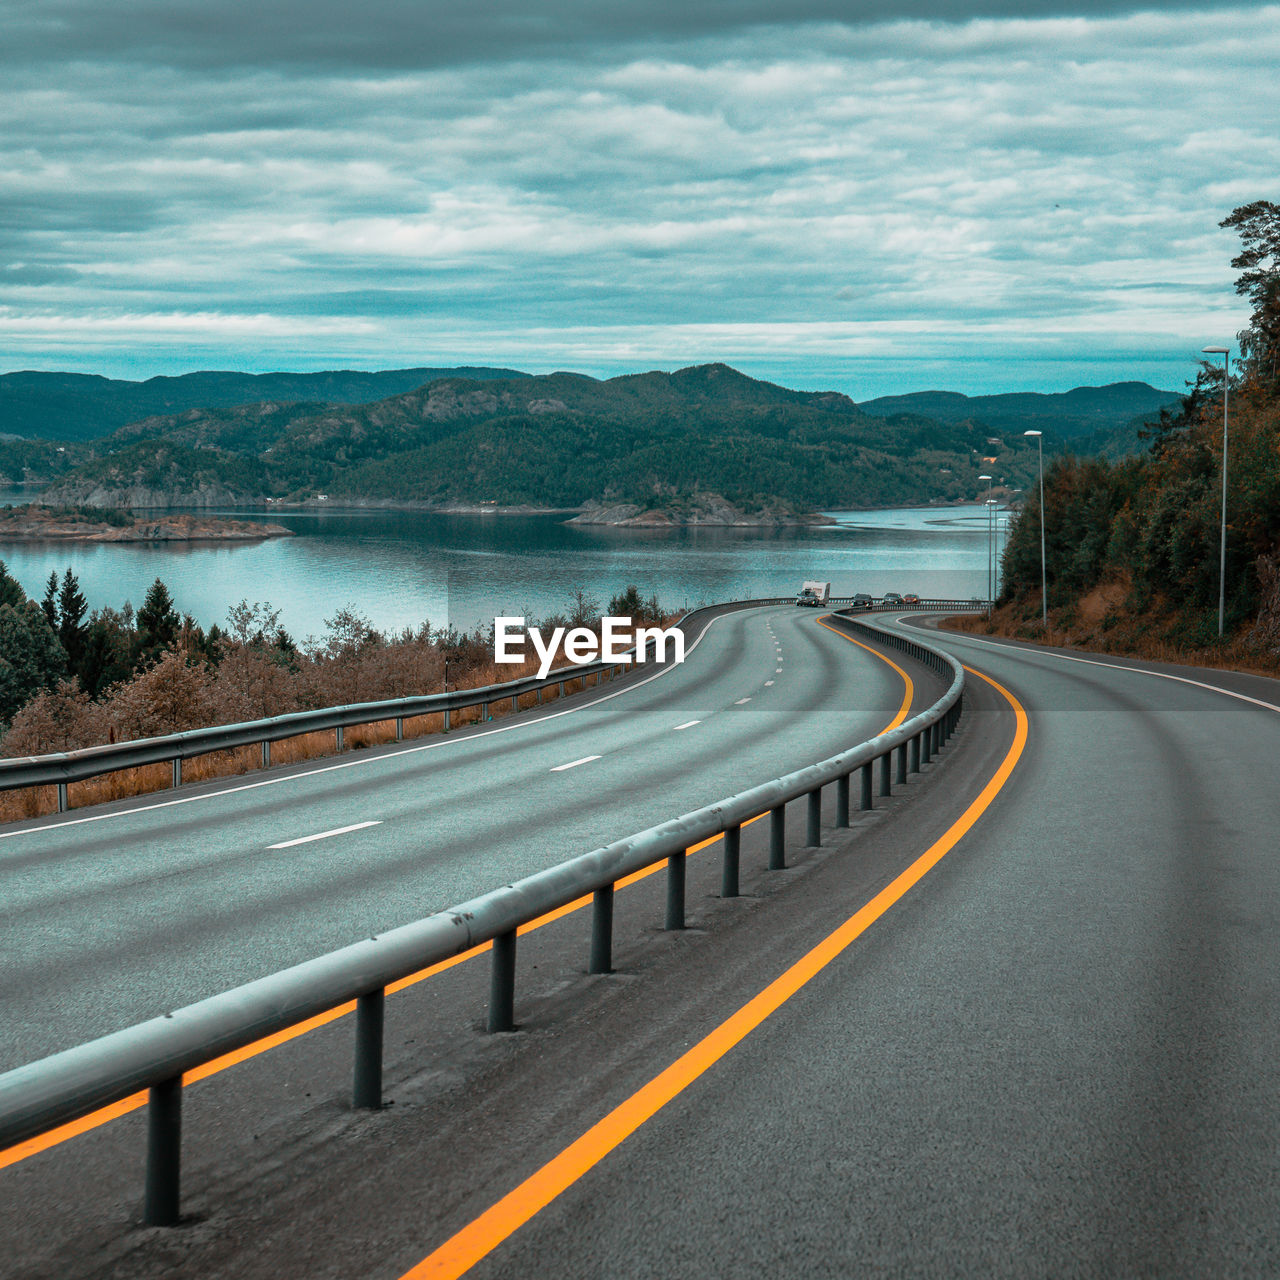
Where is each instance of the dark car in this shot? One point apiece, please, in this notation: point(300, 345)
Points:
point(862, 600)
point(892, 597)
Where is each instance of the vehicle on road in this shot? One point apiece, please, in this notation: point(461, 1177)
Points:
point(891, 597)
point(910, 599)
point(814, 594)
point(862, 600)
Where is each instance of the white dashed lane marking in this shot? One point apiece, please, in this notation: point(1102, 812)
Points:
point(688, 724)
point(573, 764)
point(324, 835)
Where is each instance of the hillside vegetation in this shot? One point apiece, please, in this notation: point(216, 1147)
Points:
point(560, 440)
point(1132, 547)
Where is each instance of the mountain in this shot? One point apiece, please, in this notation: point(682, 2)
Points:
point(1069, 414)
point(77, 406)
point(557, 440)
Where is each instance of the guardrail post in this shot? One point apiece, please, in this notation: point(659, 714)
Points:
point(399, 728)
point(813, 827)
point(502, 983)
point(266, 753)
point(539, 695)
point(675, 891)
point(164, 1153)
point(484, 713)
point(902, 762)
point(915, 753)
point(731, 862)
point(778, 837)
point(562, 688)
point(367, 1090)
point(515, 702)
point(867, 802)
point(446, 720)
point(602, 930)
point(338, 737)
point(842, 800)
point(885, 761)
point(62, 797)
point(924, 747)
point(177, 771)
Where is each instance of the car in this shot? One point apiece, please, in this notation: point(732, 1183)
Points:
point(910, 599)
point(891, 597)
point(861, 600)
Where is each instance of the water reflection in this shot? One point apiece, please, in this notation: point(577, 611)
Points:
point(400, 567)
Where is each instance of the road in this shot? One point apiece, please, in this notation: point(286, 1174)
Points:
point(124, 912)
point(1038, 1040)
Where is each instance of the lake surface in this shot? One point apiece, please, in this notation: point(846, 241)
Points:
point(401, 568)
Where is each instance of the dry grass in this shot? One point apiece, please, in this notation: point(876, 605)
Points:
point(1097, 624)
point(36, 802)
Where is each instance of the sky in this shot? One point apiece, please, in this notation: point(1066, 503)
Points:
point(872, 198)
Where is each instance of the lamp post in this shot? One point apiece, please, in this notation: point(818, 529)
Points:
point(1225, 353)
point(987, 504)
point(1044, 591)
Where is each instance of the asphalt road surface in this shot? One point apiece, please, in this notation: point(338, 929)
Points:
point(124, 912)
point(1021, 1021)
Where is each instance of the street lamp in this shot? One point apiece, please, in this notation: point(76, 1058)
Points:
point(1044, 591)
point(1225, 352)
point(987, 504)
point(992, 504)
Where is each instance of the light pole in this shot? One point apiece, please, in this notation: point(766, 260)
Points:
point(1225, 353)
point(987, 504)
point(1044, 591)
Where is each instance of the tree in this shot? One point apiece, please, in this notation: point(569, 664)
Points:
point(1259, 227)
point(31, 658)
point(72, 607)
point(11, 591)
point(157, 620)
point(49, 604)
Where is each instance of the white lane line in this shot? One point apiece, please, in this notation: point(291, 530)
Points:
point(362, 761)
point(688, 724)
point(767, 683)
point(777, 671)
point(740, 701)
point(324, 835)
point(573, 764)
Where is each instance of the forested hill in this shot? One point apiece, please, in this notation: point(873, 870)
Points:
point(78, 406)
point(559, 440)
point(1078, 413)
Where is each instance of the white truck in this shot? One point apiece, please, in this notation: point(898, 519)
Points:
point(814, 594)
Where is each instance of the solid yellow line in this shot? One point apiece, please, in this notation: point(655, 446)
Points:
point(54, 1137)
point(905, 709)
point(483, 1234)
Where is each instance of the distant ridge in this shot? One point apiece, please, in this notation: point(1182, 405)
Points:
point(82, 406)
point(1079, 412)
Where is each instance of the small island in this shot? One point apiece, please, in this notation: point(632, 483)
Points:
point(37, 523)
point(701, 509)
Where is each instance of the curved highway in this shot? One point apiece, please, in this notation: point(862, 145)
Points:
point(1021, 1022)
point(121, 913)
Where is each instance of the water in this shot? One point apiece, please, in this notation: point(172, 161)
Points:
point(401, 568)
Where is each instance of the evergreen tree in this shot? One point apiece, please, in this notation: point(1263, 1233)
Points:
point(50, 602)
point(157, 620)
point(72, 607)
point(31, 658)
point(11, 591)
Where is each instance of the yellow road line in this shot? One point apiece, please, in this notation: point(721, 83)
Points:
point(485, 1233)
point(95, 1119)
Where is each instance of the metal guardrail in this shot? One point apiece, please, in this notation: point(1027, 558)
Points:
point(153, 1055)
point(61, 768)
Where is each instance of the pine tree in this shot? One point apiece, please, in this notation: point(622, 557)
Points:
point(50, 602)
point(157, 619)
point(72, 607)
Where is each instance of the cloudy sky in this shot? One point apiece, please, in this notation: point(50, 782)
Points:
point(877, 198)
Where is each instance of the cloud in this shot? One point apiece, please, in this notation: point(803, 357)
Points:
point(1047, 185)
